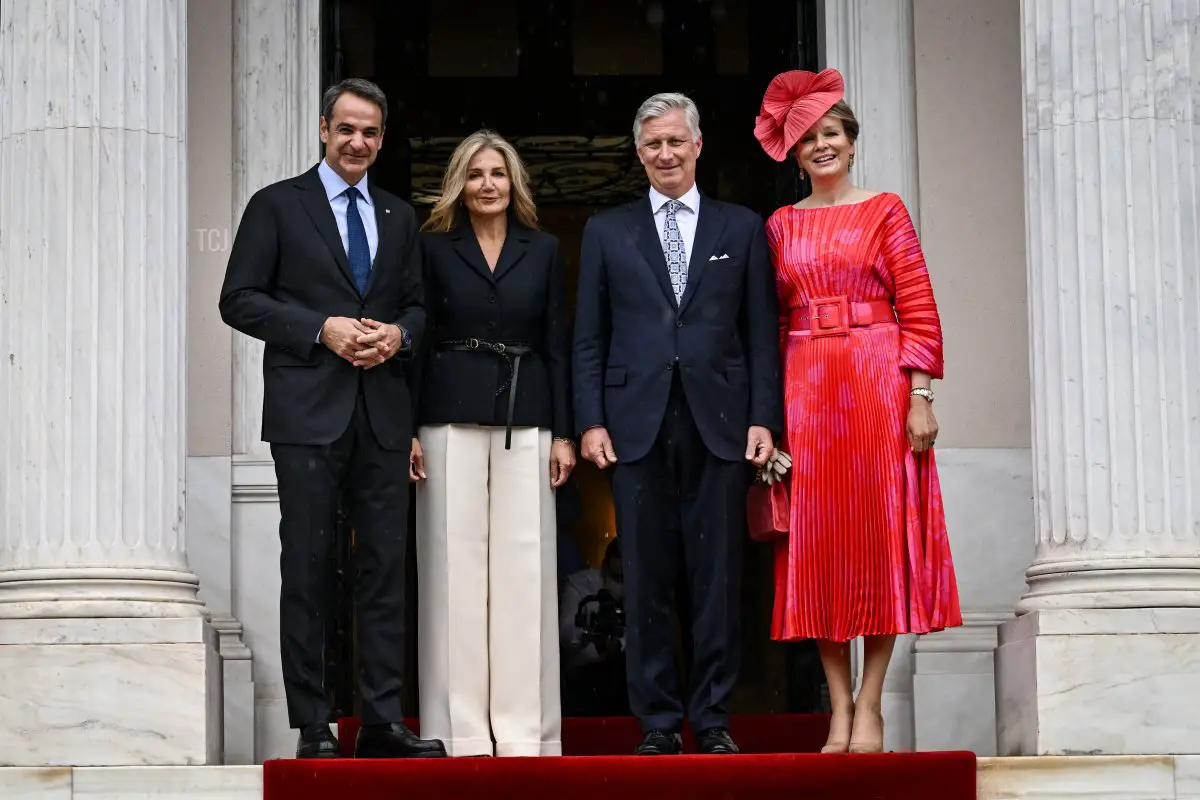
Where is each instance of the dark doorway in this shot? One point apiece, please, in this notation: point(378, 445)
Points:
point(561, 80)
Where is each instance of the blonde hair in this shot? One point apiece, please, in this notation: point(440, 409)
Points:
point(444, 215)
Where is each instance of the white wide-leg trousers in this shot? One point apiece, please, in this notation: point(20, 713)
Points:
point(487, 637)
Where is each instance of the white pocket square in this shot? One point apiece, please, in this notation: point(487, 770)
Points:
point(720, 257)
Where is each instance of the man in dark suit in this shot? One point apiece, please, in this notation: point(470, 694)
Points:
point(676, 373)
point(326, 270)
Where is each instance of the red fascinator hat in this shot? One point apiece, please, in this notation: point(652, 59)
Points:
point(793, 102)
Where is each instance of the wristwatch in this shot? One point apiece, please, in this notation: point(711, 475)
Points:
point(920, 391)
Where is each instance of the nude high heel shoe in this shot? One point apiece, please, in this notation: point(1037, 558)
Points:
point(871, 746)
point(840, 746)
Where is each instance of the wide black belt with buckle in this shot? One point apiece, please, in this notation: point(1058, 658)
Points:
point(511, 352)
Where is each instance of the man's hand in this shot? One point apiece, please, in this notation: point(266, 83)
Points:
point(378, 342)
point(597, 448)
point(759, 445)
point(340, 334)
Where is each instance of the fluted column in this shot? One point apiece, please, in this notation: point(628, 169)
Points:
point(1114, 289)
point(276, 112)
point(92, 329)
point(871, 43)
point(1104, 657)
point(106, 656)
point(276, 108)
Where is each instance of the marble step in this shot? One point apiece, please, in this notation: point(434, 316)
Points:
point(1041, 778)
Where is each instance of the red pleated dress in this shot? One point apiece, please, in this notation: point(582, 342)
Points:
point(868, 551)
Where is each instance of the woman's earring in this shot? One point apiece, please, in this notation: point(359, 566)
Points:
point(850, 166)
point(802, 175)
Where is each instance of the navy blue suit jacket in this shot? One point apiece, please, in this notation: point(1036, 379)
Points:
point(631, 336)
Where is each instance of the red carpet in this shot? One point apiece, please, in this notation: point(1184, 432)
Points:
point(899, 776)
point(905, 776)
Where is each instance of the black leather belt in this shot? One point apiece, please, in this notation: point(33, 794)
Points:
point(511, 352)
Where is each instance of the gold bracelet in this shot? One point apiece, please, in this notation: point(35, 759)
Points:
point(565, 440)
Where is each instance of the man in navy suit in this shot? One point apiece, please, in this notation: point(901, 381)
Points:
point(329, 278)
point(677, 387)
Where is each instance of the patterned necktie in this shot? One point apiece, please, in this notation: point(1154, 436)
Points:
point(673, 249)
point(359, 250)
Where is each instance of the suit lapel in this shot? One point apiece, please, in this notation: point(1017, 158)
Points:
point(642, 223)
point(710, 222)
point(312, 197)
point(467, 247)
point(515, 245)
point(516, 242)
point(383, 249)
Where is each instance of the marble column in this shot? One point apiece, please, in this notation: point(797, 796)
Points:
point(106, 654)
point(1105, 654)
point(871, 43)
point(276, 112)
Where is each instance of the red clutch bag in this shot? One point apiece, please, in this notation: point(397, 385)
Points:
point(768, 511)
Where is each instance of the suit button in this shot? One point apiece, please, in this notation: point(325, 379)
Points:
point(491, 326)
point(491, 298)
point(679, 324)
point(670, 366)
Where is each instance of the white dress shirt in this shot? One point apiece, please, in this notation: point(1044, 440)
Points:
point(685, 217)
point(334, 186)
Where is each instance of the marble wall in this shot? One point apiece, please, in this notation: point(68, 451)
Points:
point(929, 83)
point(208, 509)
point(968, 102)
point(253, 100)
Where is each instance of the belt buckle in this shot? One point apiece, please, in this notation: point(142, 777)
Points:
point(829, 316)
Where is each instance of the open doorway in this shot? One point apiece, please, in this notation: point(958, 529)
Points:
point(561, 80)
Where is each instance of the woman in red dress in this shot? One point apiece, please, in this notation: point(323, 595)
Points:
point(867, 552)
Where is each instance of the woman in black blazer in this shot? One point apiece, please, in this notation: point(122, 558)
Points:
point(493, 443)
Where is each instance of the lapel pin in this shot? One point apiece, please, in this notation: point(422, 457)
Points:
point(387, 211)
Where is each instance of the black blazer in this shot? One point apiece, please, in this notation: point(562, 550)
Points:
point(631, 337)
point(287, 273)
point(523, 301)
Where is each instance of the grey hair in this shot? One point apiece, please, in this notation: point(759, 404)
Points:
point(359, 87)
point(662, 104)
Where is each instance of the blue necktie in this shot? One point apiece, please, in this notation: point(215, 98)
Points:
point(674, 250)
point(359, 250)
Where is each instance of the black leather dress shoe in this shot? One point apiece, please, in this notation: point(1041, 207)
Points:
point(395, 740)
point(317, 741)
point(660, 743)
point(717, 742)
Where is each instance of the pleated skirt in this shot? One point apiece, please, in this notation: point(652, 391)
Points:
point(867, 552)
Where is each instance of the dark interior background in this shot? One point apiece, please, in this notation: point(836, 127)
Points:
point(561, 80)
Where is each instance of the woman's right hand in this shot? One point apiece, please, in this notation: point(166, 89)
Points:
point(416, 462)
